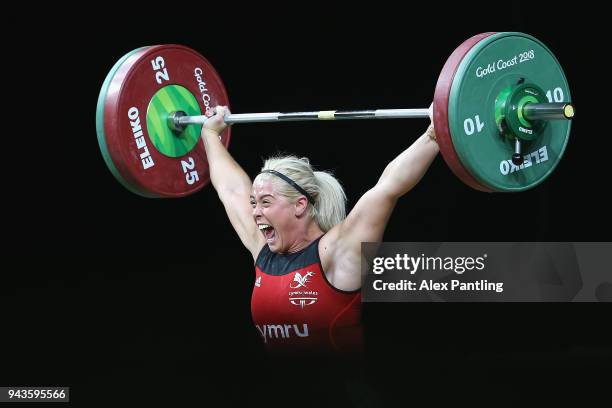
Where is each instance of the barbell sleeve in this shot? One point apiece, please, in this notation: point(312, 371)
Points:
point(548, 111)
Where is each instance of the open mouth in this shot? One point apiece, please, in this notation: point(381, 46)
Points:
point(267, 231)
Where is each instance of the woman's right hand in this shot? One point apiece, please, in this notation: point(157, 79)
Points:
point(215, 121)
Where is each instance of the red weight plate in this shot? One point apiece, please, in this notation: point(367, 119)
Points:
point(441, 97)
point(146, 170)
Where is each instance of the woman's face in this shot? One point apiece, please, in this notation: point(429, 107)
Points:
point(274, 215)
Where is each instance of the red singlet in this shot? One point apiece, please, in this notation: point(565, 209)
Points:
point(295, 308)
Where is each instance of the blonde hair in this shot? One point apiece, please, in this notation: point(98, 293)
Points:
point(329, 198)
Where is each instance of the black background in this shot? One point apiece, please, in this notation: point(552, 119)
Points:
point(149, 300)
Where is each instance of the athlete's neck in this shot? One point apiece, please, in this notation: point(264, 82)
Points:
point(305, 237)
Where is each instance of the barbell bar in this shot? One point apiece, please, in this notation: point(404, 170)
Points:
point(178, 120)
point(533, 111)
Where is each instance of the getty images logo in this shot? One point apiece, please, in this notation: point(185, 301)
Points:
point(302, 298)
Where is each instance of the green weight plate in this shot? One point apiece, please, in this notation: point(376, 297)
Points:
point(491, 66)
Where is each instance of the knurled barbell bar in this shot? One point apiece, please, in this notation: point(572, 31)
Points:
point(501, 110)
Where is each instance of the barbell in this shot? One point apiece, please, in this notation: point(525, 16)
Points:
point(501, 112)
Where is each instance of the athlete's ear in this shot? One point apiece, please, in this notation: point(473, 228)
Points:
point(301, 204)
